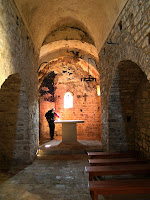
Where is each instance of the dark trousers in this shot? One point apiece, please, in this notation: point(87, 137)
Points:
point(52, 129)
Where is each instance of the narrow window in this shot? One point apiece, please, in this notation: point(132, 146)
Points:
point(68, 100)
point(120, 25)
point(98, 90)
point(148, 39)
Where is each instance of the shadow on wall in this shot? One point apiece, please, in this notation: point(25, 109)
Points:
point(123, 96)
point(9, 98)
point(142, 117)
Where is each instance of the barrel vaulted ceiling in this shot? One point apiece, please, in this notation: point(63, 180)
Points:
point(95, 17)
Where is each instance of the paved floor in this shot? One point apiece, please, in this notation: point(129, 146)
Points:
point(54, 175)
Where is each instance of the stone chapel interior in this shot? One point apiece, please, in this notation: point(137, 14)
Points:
point(97, 53)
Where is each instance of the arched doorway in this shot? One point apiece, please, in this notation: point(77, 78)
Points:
point(128, 108)
point(9, 134)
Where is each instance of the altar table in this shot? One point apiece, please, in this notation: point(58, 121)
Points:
point(69, 130)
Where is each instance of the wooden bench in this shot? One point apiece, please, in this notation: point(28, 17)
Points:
point(134, 186)
point(112, 154)
point(116, 161)
point(117, 170)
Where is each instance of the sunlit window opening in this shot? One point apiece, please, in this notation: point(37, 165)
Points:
point(98, 90)
point(68, 100)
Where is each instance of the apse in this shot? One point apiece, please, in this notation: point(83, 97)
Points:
point(61, 85)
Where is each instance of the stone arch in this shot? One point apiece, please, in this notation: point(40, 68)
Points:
point(54, 65)
point(9, 95)
point(15, 138)
point(121, 110)
point(68, 33)
point(69, 28)
point(136, 55)
point(68, 48)
point(107, 71)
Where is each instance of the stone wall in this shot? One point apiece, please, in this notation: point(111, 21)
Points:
point(18, 91)
point(128, 41)
point(128, 77)
point(142, 117)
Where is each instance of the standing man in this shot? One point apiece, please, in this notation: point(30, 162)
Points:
point(50, 116)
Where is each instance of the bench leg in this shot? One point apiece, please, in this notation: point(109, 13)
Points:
point(92, 194)
point(90, 177)
point(95, 196)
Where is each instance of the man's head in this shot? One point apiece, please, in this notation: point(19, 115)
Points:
point(53, 109)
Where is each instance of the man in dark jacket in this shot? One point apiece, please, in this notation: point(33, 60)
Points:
point(50, 116)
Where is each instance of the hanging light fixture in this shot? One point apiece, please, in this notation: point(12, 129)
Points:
point(89, 78)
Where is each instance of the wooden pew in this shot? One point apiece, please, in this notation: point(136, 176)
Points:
point(117, 170)
point(116, 161)
point(104, 155)
point(134, 186)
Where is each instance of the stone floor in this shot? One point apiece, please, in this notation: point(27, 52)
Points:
point(80, 147)
point(56, 174)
